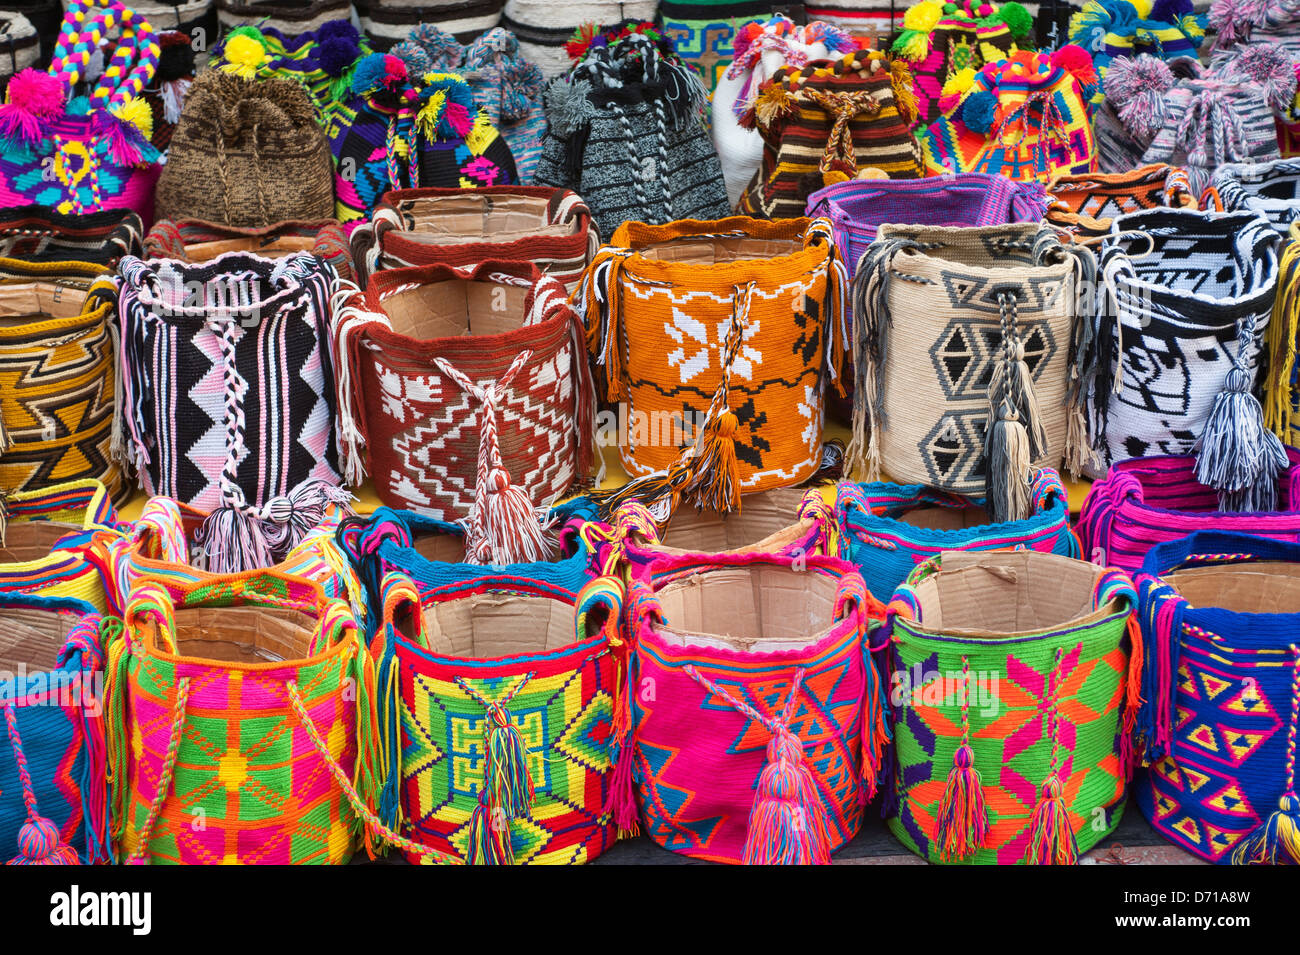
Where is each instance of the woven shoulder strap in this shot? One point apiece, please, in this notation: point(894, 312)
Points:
point(134, 61)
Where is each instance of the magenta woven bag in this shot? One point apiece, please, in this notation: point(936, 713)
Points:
point(73, 160)
point(1143, 502)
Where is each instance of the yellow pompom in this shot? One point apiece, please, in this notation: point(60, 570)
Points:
point(923, 16)
point(1191, 27)
point(959, 82)
point(136, 112)
point(244, 56)
point(1143, 8)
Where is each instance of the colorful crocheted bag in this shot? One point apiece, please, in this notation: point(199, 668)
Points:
point(1185, 304)
point(551, 228)
point(78, 154)
point(965, 358)
point(470, 392)
point(1025, 117)
point(703, 31)
point(757, 725)
point(545, 28)
point(509, 90)
point(715, 331)
point(246, 700)
point(1264, 22)
point(229, 395)
point(38, 234)
point(1222, 693)
point(888, 529)
point(1086, 205)
point(57, 377)
point(53, 774)
point(1014, 693)
point(44, 537)
point(1119, 29)
point(940, 40)
point(759, 50)
point(1143, 502)
point(388, 22)
point(194, 240)
point(1271, 189)
point(626, 133)
point(1282, 383)
point(824, 124)
point(859, 207)
point(498, 720)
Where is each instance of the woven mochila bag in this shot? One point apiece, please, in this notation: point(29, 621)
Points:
point(759, 50)
point(194, 241)
point(291, 16)
point(703, 31)
point(433, 555)
point(786, 521)
point(626, 132)
point(79, 154)
point(757, 725)
point(53, 772)
point(875, 22)
point(1015, 679)
point(246, 153)
point(551, 228)
point(1025, 117)
point(888, 529)
point(1222, 696)
point(1143, 502)
point(857, 208)
point(470, 392)
point(229, 396)
point(826, 123)
point(57, 377)
point(1086, 205)
point(1171, 366)
point(158, 545)
point(38, 234)
point(965, 358)
point(716, 331)
point(44, 540)
point(1271, 189)
point(938, 42)
point(545, 28)
point(1265, 23)
point(1111, 30)
point(389, 22)
point(496, 708)
point(251, 698)
point(509, 89)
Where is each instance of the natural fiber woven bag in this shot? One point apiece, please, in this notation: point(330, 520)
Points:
point(38, 234)
point(229, 396)
point(83, 157)
point(824, 124)
point(787, 521)
point(497, 707)
point(938, 43)
point(718, 330)
point(1015, 681)
point(759, 50)
point(1086, 205)
point(551, 228)
point(470, 393)
point(246, 153)
point(888, 529)
point(626, 133)
point(58, 382)
point(1271, 189)
point(291, 16)
point(703, 31)
point(757, 724)
point(252, 698)
point(432, 554)
point(1172, 365)
point(965, 358)
point(545, 27)
point(53, 774)
point(44, 537)
point(389, 22)
point(1143, 502)
point(1025, 117)
point(1118, 29)
point(1222, 692)
point(196, 241)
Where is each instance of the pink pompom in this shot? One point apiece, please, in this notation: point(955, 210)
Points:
point(37, 92)
point(1075, 61)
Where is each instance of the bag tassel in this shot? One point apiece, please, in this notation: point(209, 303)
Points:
point(38, 839)
point(787, 825)
point(507, 790)
point(1008, 460)
point(6, 442)
point(1052, 839)
point(963, 821)
point(489, 837)
point(1236, 453)
point(1277, 840)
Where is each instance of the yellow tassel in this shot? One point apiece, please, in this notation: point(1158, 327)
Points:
point(916, 49)
point(136, 111)
point(959, 82)
point(426, 121)
point(716, 484)
point(773, 102)
point(923, 16)
point(1281, 344)
point(900, 77)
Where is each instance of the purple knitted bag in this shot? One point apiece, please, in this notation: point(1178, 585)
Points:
point(1143, 502)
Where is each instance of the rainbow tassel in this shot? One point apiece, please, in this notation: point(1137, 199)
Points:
point(508, 782)
point(489, 837)
point(963, 821)
point(38, 844)
point(1052, 839)
point(1277, 840)
point(787, 824)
